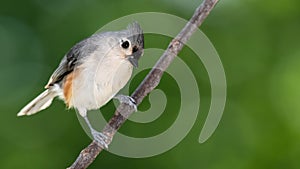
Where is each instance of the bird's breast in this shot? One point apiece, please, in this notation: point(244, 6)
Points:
point(99, 80)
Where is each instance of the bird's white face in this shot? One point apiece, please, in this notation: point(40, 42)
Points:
point(125, 47)
point(126, 50)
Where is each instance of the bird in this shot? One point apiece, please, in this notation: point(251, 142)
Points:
point(92, 73)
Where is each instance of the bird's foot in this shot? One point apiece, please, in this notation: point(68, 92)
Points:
point(100, 138)
point(127, 100)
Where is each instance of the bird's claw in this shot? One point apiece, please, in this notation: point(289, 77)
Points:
point(100, 138)
point(127, 100)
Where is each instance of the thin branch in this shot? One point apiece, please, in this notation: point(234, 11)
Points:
point(88, 155)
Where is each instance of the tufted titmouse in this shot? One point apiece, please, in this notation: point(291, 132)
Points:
point(92, 73)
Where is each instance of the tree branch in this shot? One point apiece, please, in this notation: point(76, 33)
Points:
point(88, 155)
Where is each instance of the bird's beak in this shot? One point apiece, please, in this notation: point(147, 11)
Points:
point(137, 39)
point(137, 52)
point(133, 60)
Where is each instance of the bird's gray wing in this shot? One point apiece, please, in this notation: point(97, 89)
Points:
point(71, 60)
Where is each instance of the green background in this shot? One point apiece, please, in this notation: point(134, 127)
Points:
point(258, 43)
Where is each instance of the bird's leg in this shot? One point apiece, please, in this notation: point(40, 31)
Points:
point(98, 136)
point(127, 100)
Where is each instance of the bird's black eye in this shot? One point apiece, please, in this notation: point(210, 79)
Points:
point(125, 44)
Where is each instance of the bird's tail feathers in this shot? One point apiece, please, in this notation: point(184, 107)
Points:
point(41, 102)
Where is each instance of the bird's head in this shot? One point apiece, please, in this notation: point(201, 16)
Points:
point(132, 43)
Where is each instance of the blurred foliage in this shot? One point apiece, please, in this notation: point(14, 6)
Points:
point(258, 42)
